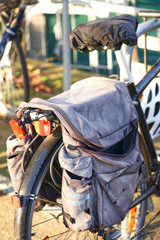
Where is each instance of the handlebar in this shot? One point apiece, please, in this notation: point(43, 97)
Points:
point(124, 56)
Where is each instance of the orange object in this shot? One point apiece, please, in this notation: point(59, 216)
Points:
point(131, 222)
point(18, 128)
point(16, 201)
point(47, 238)
point(43, 127)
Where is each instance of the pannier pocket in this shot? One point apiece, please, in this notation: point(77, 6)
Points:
point(19, 154)
point(117, 194)
point(76, 192)
point(76, 161)
point(15, 151)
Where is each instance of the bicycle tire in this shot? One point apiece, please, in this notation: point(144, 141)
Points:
point(38, 169)
point(14, 79)
point(24, 68)
point(30, 187)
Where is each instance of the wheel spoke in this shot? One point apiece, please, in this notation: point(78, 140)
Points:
point(37, 224)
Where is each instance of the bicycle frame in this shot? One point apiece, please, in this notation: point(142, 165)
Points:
point(9, 44)
point(12, 29)
point(124, 58)
point(154, 164)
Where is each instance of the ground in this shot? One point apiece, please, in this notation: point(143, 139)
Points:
point(6, 217)
point(152, 232)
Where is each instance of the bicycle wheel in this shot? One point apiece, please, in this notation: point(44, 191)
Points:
point(46, 223)
point(14, 80)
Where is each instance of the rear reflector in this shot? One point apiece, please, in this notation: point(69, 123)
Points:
point(18, 128)
point(43, 127)
point(16, 201)
point(132, 217)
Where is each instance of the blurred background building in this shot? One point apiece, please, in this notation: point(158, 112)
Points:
point(44, 30)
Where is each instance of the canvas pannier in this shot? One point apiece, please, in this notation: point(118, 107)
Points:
point(100, 158)
point(19, 154)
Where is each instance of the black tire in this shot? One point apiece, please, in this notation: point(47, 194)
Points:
point(14, 82)
point(26, 218)
point(23, 67)
point(32, 182)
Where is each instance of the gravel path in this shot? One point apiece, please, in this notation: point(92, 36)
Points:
point(7, 215)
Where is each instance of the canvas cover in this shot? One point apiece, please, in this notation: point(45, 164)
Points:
point(101, 157)
point(111, 32)
point(92, 112)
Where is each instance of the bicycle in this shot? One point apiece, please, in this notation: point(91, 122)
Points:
point(14, 79)
point(28, 222)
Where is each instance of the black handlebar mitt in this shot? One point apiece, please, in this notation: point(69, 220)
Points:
point(110, 32)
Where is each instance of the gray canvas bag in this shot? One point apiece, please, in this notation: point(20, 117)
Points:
point(100, 157)
point(19, 154)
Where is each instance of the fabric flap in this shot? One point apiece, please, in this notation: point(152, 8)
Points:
point(95, 109)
